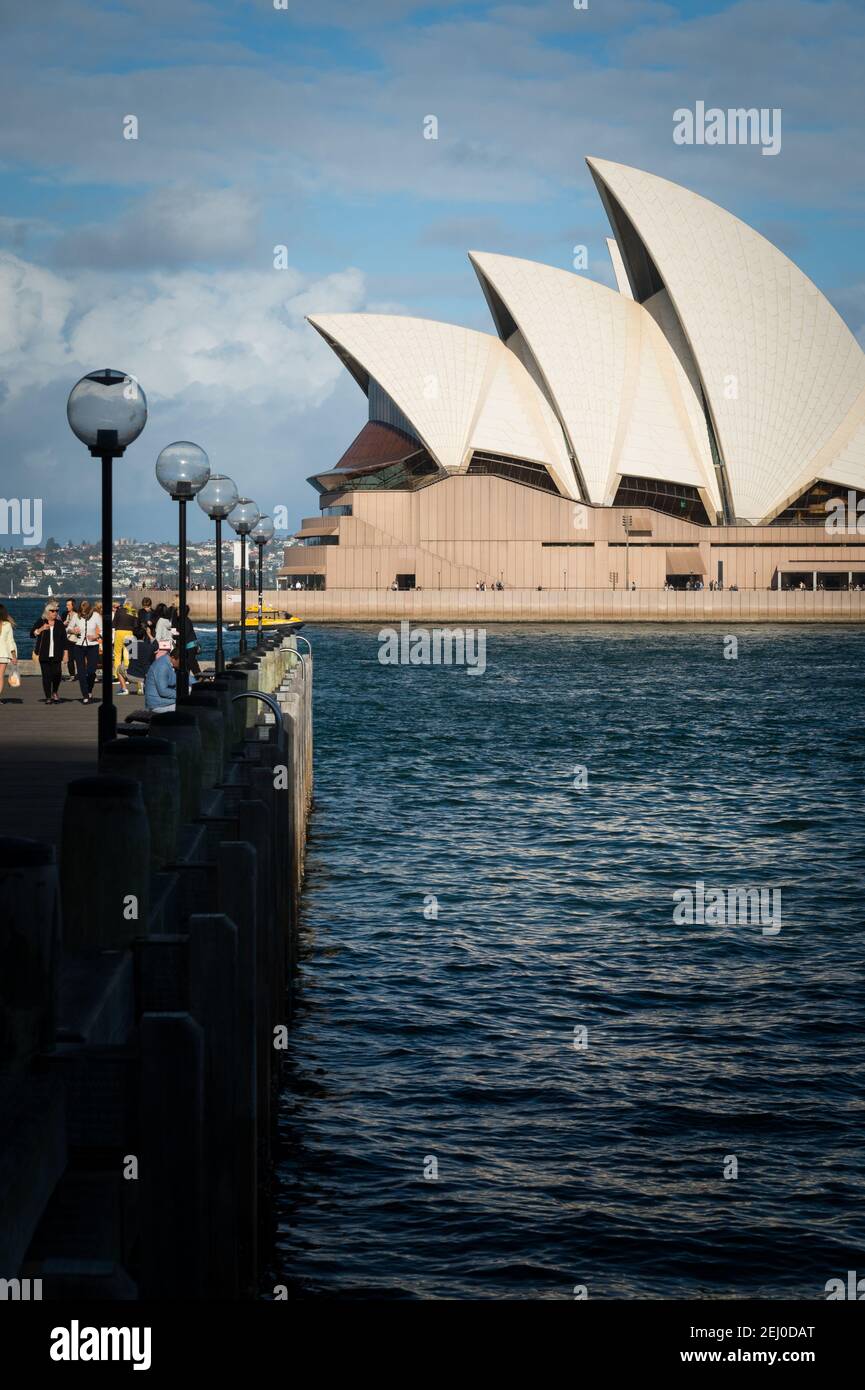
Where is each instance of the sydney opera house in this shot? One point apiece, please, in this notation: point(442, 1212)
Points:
point(702, 425)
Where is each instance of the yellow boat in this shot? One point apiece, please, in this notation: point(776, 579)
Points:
point(272, 620)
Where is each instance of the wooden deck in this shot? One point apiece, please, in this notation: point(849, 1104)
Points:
point(42, 748)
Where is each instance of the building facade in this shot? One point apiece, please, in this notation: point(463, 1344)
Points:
point(700, 426)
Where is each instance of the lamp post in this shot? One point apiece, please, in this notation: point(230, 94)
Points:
point(627, 522)
point(107, 410)
point(216, 499)
point(182, 469)
point(262, 534)
point(241, 519)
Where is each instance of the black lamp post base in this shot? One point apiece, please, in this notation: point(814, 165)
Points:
point(106, 723)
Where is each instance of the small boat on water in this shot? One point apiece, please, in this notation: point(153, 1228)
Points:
point(272, 620)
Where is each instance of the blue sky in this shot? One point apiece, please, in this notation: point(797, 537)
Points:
point(304, 127)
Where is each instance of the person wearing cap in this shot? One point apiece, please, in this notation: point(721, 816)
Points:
point(160, 686)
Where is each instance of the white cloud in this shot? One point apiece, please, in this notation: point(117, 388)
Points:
point(237, 334)
point(34, 307)
point(226, 359)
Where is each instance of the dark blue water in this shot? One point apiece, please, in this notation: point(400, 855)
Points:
point(454, 1038)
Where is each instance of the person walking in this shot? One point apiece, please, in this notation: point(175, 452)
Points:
point(51, 644)
point(144, 631)
point(74, 626)
point(8, 650)
point(87, 645)
point(162, 630)
point(122, 624)
point(190, 640)
point(70, 622)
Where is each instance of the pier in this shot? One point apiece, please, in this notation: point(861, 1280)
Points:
point(148, 908)
point(552, 605)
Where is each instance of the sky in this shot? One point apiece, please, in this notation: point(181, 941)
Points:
point(301, 124)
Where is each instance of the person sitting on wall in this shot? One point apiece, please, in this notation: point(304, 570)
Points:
point(141, 659)
point(160, 686)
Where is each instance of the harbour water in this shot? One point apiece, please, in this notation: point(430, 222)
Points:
point(447, 1129)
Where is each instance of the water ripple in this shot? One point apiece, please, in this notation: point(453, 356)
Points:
point(453, 1038)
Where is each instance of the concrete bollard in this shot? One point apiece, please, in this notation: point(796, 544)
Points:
point(223, 692)
point(237, 682)
point(172, 1157)
point(29, 950)
point(236, 894)
point(153, 762)
point(104, 864)
point(292, 718)
point(262, 785)
point(250, 668)
point(254, 829)
point(263, 657)
point(180, 727)
point(208, 717)
point(213, 1003)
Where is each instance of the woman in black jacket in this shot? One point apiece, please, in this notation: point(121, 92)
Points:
point(50, 647)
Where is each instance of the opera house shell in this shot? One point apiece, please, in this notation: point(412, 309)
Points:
point(714, 401)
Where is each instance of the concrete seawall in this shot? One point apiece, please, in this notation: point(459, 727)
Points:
point(552, 605)
point(145, 964)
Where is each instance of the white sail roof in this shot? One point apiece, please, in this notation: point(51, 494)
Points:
point(460, 389)
point(783, 375)
point(623, 397)
point(714, 338)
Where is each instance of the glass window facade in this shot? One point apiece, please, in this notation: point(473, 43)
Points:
point(676, 499)
point(515, 470)
point(810, 508)
point(306, 581)
point(408, 474)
